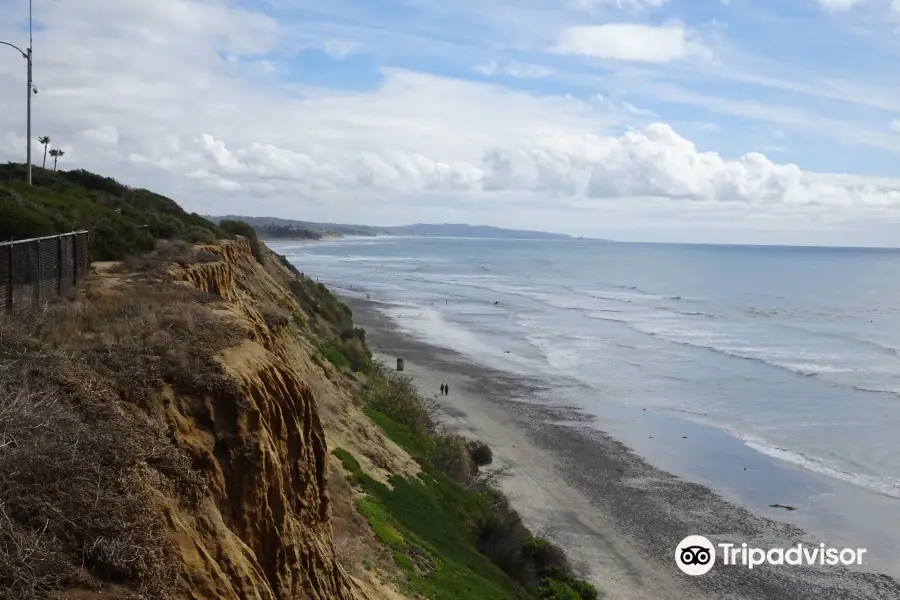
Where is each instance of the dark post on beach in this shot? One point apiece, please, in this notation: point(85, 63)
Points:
point(399, 364)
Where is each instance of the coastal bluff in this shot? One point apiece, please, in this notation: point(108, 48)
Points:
point(191, 379)
point(266, 532)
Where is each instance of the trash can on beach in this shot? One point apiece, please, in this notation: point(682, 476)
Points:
point(399, 364)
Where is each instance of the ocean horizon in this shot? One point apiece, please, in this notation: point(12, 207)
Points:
point(776, 360)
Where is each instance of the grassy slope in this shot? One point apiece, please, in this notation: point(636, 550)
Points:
point(453, 534)
point(122, 220)
point(426, 521)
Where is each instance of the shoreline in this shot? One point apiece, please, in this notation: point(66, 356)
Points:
point(618, 518)
point(319, 240)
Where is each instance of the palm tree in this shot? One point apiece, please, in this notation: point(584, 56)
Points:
point(56, 154)
point(45, 140)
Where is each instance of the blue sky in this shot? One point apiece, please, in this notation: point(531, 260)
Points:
point(788, 58)
point(714, 120)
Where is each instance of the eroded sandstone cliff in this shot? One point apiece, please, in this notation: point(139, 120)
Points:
point(222, 386)
point(265, 449)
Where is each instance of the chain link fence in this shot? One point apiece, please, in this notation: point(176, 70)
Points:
point(38, 270)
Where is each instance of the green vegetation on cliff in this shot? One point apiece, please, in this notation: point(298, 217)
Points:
point(337, 339)
point(284, 232)
point(244, 229)
point(122, 220)
point(423, 521)
point(453, 534)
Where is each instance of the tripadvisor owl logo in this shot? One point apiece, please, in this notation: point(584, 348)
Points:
point(695, 555)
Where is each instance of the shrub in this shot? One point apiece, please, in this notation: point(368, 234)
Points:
point(122, 221)
point(547, 558)
point(584, 589)
point(395, 396)
point(334, 354)
point(550, 562)
point(167, 251)
point(76, 484)
point(284, 261)
point(349, 462)
point(275, 318)
point(499, 536)
point(480, 453)
point(554, 589)
point(244, 229)
point(358, 355)
point(332, 322)
point(92, 181)
point(198, 235)
point(450, 455)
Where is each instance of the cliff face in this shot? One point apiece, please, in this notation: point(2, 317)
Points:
point(265, 532)
point(165, 434)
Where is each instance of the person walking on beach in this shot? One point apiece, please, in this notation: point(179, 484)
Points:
point(442, 389)
point(446, 390)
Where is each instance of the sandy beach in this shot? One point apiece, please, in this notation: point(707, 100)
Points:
point(618, 518)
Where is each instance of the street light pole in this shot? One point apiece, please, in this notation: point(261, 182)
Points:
point(30, 91)
point(30, 94)
point(29, 84)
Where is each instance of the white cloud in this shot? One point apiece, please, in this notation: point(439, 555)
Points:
point(632, 42)
point(172, 114)
point(489, 68)
point(515, 69)
point(840, 5)
point(103, 134)
point(341, 49)
point(771, 149)
point(622, 4)
point(528, 71)
point(652, 162)
point(894, 126)
point(656, 162)
point(12, 146)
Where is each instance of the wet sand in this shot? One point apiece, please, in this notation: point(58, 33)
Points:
point(618, 518)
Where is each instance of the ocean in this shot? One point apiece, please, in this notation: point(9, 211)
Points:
point(783, 359)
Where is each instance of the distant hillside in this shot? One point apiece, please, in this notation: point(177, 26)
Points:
point(263, 224)
point(474, 231)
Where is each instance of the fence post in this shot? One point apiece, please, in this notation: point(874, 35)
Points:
point(59, 266)
point(75, 259)
point(73, 239)
point(9, 302)
point(40, 271)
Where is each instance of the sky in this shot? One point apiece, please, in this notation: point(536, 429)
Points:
point(741, 121)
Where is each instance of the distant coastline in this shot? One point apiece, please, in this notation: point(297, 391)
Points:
point(275, 228)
